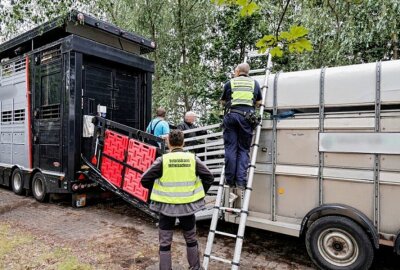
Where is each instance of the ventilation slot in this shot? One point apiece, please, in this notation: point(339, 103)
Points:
point(50, 112)
point(50, 56)
point(6, 117)
point(19, 115)
point(11, 68)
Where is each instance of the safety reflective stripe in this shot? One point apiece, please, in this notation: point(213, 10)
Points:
point(246, 89)
point(176, 184)
point(242, 101)
point(178, 194)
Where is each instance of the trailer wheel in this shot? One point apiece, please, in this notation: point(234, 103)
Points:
point(17, 182)
point(338, 243)
point(39, 187)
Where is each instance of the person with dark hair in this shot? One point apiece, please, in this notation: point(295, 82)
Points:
point(178, 182)
point(158, 126)
point(240, 96)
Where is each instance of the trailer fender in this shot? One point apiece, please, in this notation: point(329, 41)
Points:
point(345, 211)
point(397, 244)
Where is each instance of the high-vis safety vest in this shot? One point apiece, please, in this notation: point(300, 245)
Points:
point(242, 91)
point(178, 183)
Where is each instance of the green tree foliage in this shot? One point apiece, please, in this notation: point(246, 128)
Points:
point(200, 42)
point(294, 40)
point(180, 32)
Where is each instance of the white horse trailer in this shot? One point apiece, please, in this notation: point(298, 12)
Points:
point(330, 173)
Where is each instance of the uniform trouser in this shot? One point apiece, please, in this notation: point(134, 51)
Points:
point(166, 230)
point(237, 139)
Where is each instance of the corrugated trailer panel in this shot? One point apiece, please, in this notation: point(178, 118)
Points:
point(350, 85)
point(13, 122)
point(344, 86)
point(390, 200)
point(297, 146)
point(296, 195)
point(359, 195)
point(260, 200)
point(390, 82)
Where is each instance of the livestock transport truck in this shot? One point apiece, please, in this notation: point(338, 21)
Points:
point(53, 80)
point(330, 173)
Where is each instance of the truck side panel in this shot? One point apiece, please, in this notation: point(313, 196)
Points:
point(13, 107)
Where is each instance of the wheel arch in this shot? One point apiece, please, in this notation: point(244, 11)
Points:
point(16, 167)
point(397, 244)
point(344, 211)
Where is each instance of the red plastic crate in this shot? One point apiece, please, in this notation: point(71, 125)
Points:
point(133, 186)
point(140, 156)
point(115, 145)
point(112, 171)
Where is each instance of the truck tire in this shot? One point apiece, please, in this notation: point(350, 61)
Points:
point(39, 189)
point(338, 243)
point(17, 183)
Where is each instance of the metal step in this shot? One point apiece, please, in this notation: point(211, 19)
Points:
point(226, 234)
point(253, 54)
point(220, 259)
point(229, 209)
point(255, 71)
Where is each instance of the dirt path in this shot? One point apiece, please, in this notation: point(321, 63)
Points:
point(115, 236)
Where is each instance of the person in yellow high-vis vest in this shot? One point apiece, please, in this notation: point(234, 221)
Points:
point(240, 97)
point(178, 182)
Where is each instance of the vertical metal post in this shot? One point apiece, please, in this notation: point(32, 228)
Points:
point(321, 129)
point(377, 156)
point(274, 146)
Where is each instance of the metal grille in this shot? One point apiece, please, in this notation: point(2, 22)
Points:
point(50, 111)
point(6, 117)
point(50, 56)
point(11, 68)
point(19, 115)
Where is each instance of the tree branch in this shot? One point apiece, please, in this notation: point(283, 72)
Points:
point(281, 19)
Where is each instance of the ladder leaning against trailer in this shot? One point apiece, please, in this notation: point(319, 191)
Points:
point(243, 211)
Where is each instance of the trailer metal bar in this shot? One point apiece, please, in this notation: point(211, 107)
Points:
point(203, 136)
point(321, 154)
point(201, 128)
point(377, 164)
point(274, 146)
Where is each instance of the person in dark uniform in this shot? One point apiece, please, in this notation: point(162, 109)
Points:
point(189, 123)
point(240, 97)
point(177, 192)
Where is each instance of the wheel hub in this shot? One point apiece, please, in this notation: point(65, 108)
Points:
point(338, 247)
point(38, 187)
point(17, 181)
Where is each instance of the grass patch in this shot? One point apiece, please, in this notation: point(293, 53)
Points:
point(13, 243)
point(9, 242)
point(60, 259)
point(72, 263)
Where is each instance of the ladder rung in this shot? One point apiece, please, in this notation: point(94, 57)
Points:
point(256, 71)
point(220, 259)
point(253, 54)
point(226, 234)
point(236, 210)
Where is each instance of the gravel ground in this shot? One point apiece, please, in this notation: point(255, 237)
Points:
point(113, 235)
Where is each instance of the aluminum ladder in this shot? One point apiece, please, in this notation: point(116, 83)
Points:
point(235, 262)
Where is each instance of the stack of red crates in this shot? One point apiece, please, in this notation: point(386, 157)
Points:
point(139, 156)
